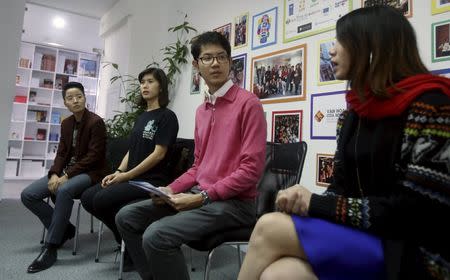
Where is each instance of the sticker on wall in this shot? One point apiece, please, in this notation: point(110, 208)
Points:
point(440, 45)
point(264, 29)
point(280, 76)
point(287, 126)
point(238, 70)
point(240, 31)
point(303, 18)
point(325, 111)
point(324, 169)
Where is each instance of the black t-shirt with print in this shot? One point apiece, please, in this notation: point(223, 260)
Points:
point(156, 127)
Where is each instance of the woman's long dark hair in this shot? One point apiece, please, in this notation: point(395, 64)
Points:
point(382, 46)
point(160, 76)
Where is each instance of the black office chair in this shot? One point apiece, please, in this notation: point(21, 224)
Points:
point(283, 168)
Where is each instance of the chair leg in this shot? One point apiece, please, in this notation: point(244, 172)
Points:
point(122, 255)
point(208, 264)
point(43, 230)
point(192, 261)
point(77, 226)
point(99, 240)
point(92, 223)
point(43, 236)
point(239, 256)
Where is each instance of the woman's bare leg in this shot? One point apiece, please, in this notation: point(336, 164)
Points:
point(288, 268)
point(274, 237)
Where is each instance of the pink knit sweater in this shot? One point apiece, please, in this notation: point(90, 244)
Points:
point(230, 147)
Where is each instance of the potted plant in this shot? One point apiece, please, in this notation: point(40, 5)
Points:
point(174, 56)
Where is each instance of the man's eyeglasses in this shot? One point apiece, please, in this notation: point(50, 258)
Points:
point(208, 60)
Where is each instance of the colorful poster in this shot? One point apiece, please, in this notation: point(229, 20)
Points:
point(324, 169)
point(303, 18)
point(325, 67)
point(325, 111)
point(238, 69)
point(403, 5)
point(240, 31)
point(440, 6)
point(225, 30)
point(264, 29)
point(195, 81)
point(287, 126)
point(440, 41)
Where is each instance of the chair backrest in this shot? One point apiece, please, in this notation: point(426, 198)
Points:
point(116, 148)
point(181, 157)
point(283, 168)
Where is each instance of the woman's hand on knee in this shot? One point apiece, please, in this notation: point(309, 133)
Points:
point(294, 200)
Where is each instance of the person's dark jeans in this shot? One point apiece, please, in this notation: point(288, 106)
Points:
point(54, 219)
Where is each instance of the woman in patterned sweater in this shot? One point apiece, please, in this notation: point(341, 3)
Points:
point(384, 214)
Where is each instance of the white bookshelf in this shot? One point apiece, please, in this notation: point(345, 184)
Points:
point(38, 107)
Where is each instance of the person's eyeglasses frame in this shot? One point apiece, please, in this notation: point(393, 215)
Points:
point(225, 57)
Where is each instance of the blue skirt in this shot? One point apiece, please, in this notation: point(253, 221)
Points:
point(340, 252)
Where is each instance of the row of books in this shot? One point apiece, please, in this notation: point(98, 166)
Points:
point(41, 134)
point(37, 115)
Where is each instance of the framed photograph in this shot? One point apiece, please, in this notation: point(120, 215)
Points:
point(264, 29)
point(240, 31)
point(238, 68)
point(325, 69)
point(280, 76)
point(324, 169)
point(88, 67)
point(440, 6)
point(303, 18)
point(440, 41)
point(325, 111)
point(287, 126)
point(442, 72)
point(404, 5)
point(225, 30)
point(195, 81)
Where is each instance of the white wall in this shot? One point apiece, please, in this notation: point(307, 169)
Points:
point(117, 45)
point(148, 25)
point(80, 32)
point(11, 19)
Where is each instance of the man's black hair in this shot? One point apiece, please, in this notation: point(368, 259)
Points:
point(209, 38)
point(70, 85)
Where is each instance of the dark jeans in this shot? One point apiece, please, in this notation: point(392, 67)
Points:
point(154, 234)
point(104, 203)
point(55, 219)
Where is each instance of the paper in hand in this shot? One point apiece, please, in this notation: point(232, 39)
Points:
point(149, 187)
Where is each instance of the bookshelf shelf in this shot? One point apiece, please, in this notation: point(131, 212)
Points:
point(38, 106)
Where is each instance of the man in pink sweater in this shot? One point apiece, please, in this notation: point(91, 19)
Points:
point(218, 192)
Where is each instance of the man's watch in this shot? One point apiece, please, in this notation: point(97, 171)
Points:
point(205, 196)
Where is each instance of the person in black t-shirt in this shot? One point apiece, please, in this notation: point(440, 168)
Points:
point(154, 131)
